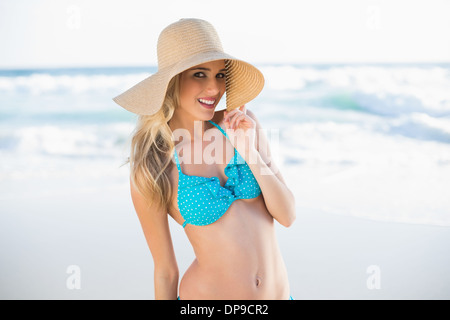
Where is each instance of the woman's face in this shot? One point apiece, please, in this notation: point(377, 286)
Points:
point(201, 88)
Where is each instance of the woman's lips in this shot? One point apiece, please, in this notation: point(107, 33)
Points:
point(208, 103)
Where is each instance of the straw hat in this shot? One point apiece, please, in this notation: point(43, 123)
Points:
point(183, 45)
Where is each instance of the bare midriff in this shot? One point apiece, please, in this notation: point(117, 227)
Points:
point(237, 257)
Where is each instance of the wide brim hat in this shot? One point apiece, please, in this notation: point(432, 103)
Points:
point(181, 46)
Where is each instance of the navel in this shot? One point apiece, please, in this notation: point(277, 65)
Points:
point(258, 281)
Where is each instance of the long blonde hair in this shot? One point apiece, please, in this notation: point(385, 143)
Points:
point(152, 148)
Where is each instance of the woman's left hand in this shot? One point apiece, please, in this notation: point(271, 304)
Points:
point(241, 129)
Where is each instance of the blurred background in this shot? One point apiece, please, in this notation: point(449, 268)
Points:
point(356, 106)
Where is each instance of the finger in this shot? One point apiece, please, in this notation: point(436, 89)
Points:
point(238, 122)
point(226, 118)
point(245, 123)
point(231, 113)
point(233, 119)
point(243, 108)
point(240, 116)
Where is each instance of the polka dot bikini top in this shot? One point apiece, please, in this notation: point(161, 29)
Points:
point(203, 200)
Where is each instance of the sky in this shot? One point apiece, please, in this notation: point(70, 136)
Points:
point(79, 33)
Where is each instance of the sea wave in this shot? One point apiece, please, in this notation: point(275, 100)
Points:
point(66, 141)
point(380, 90)
point(42, 83)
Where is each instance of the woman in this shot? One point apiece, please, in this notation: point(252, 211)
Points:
point(218, 182)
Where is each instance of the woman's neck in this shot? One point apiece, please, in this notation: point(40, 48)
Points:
point(194, 128)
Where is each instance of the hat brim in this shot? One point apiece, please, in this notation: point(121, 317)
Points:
point(244, 82)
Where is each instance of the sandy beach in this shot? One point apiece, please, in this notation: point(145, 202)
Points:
point(335, 253)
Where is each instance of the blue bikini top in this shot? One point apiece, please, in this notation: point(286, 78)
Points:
point(203, 200)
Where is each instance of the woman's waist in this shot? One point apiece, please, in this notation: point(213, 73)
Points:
point(235, 279)
point(240, 250)
point(242, 259)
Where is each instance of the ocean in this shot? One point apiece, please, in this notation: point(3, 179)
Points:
point(364, 148)
point(366, 140)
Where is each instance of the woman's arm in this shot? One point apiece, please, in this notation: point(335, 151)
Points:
point(155, 224)
point(279, 200)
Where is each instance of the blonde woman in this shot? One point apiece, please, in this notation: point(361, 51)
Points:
point(211, 171)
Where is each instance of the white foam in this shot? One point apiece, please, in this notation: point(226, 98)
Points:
point(41, 83)
point(388, 90)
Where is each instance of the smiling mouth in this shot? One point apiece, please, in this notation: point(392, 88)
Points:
point(208, 103)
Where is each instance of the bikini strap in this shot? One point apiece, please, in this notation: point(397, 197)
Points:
point(177, 160)
point(220, 128)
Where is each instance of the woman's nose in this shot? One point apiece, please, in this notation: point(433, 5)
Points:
point(213, 87)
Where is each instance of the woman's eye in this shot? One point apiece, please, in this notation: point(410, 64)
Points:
point(220, 75)
point(199, 75)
